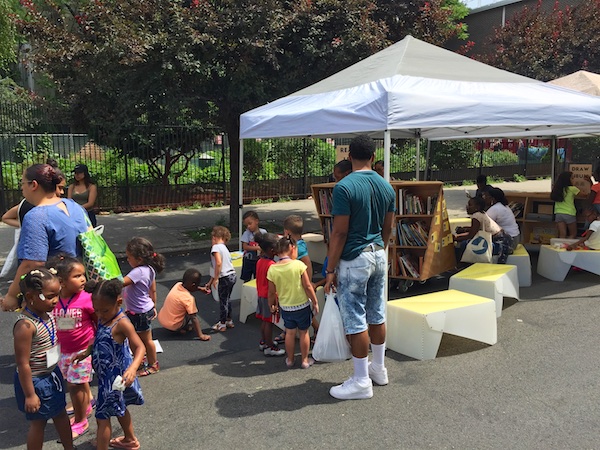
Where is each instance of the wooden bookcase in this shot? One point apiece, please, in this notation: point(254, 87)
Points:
point(536, 221)
point(421, 244)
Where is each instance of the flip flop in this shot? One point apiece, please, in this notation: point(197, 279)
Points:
point(118, 443)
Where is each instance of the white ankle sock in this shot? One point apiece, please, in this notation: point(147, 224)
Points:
point(378, 354)
point(361, 367)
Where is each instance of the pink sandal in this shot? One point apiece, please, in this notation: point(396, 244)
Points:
point(118, 442)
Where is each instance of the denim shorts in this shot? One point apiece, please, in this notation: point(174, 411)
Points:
point(142, 321)
point(51, 391)
point(566, 218)
point(300, 318)
point(360, 291)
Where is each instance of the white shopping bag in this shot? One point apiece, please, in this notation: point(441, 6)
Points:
point(331, 344)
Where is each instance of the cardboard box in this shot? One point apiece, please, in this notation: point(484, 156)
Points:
point(542, 235)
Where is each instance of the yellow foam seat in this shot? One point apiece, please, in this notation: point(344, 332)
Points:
point(415, 325)
point(493, 281)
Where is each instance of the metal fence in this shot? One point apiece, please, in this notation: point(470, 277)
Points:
point(174, 166)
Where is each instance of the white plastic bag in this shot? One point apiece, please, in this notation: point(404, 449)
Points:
point(331, 344)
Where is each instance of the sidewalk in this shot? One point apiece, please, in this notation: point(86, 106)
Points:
point(167, 230)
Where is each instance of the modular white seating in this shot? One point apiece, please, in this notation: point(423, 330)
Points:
point(521, 259)
point(554, 263)
point(415, 325)
point(494, 281)
point(249, 302)
point(317, 249)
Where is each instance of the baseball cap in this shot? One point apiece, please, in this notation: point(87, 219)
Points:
point(80, 168)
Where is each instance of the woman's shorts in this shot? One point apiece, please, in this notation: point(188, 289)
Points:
point(300, 319)
point(51, 391)
point(79, 372)
point(566, 218)
point(142, 321)
point(263, 311)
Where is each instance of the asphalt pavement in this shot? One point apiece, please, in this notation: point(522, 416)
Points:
point(536, 388)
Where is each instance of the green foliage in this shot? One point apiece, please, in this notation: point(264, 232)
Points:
point(519, 178)
point(492, 158)
point(8, 35)
point(17, 112)
point(452, 154)
point(585, 150)
point(548, 44)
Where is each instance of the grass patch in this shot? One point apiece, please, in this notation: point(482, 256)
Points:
point(519, 178)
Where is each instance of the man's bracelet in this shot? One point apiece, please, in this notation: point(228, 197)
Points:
point(330, 271)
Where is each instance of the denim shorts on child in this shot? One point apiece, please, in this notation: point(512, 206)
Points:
point(51, 391)
point(142, 321)
point(566, 218)
point(75, 372)
point(360, 290)
point(300, 318)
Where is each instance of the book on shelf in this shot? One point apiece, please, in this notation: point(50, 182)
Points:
point(400, 202)
point(327, 227)
point(412, 233)
point(408, 263)
point(413, 204)
point(431, 204)
point(325, 200)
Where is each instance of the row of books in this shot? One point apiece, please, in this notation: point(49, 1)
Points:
point(412, 233)
point(413, 204)
point(325, 200)
point(327, 227)
point(409, 266)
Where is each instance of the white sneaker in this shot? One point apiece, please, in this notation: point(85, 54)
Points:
point(274, 351)
point(352, 389)
point(379, 377)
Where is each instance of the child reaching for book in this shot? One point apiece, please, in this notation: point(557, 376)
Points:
point(140, 295)
point(222, 275)
point(290, 286)
point(267, 244)
point(75, 320)
point(179, 312)
point(115, 367)
point(39, 385)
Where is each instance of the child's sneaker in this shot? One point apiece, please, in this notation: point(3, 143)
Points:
point(262, 346)
point(274, 351)
point(219, 326)
point(230, 324)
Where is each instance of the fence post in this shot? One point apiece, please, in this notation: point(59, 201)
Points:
point(2, 197)
point(223, 169)
point(304, 169)
point(127, 186)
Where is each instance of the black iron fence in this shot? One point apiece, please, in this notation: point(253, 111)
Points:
point(176, 166)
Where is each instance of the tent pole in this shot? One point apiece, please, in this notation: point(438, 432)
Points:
point(427, 174)
point(553, 150)
point(241, 192)
point(417, 168)
point(387, 143)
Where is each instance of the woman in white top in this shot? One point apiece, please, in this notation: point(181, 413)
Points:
point(481, 221)
point(499, 212)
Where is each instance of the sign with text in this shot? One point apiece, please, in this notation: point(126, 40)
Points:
point(341, 152)
point(581, 176)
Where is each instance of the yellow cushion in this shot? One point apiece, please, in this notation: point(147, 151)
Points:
point(483, 271)
point(251, 283)
point(438, 301)
point(520, 251)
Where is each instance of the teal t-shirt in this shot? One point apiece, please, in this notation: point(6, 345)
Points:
point(366, 197)
point(567, 206)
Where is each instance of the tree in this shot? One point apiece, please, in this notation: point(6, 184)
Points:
point(8, 35)
point(119, 64)
point(548, 45)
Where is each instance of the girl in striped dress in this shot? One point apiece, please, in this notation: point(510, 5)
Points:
point(39, 385)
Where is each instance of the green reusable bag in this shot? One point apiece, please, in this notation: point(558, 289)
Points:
point(99, 261)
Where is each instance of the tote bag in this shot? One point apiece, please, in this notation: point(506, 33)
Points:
point(99, 261)
point(479, 248)
point(331, 344)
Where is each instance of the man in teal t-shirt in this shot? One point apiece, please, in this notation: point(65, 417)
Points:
point(363, 210)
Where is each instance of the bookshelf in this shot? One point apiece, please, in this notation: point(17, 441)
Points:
point(536, 216)
point(421, 244)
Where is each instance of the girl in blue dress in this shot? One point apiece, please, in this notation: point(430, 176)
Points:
point(111, 358)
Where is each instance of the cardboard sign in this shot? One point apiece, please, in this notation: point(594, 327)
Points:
point(581, 174)
point(341, 152)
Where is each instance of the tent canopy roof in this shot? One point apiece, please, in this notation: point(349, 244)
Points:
point(417, 89)
point(582, 81)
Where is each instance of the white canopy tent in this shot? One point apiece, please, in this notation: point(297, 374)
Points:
point(417, 90)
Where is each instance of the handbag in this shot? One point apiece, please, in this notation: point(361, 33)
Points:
point(479, 248)
point(331, 344)
point(99, 261)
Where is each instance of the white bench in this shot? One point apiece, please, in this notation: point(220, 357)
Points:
point(494, 281)
point(554, 263)
point(415, 325)
point(520, 258)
